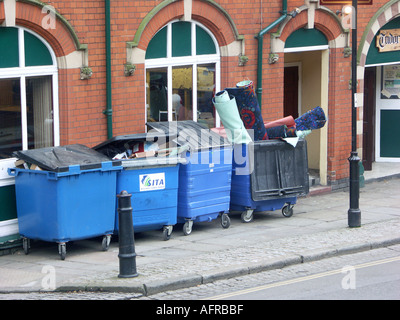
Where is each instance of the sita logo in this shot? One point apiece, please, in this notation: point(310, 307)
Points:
point(154, 181)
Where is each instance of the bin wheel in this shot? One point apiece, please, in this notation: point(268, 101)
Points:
point(26, 245)
point(225, 221)
point(287, 210)
point(247, 216)
point(187, 227)
point(167, 231)
point(62, 250)
point(105, 243)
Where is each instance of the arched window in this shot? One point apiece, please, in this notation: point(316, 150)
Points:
point(28, 92)
point(182, 74)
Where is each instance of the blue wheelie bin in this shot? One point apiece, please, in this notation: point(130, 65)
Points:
point(268, 175)
point(152, 180)
point(72, 197)
point(205, 176)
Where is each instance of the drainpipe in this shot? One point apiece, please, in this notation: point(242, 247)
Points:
point(108, 111)
point(259, 37)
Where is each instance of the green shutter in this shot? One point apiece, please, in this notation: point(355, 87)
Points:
point(36, 53)
point(157, 47)
point(8, 209)
point(306, 38)
point(390, 146)
point(181, 39)
point(9, 56)
point(204, 43)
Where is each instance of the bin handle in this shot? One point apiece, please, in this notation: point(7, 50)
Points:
point(12, 172)
point(51, 175)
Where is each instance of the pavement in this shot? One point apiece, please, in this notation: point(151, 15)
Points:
point(318, 229)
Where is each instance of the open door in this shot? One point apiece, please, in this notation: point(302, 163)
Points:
point(291, 92)
point(368, 154)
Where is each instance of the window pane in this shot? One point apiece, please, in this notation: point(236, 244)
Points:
point(157, 47)
point(157, 102)
point(182, 86)
point(181, 39)
point(9, 56)
point(10, 117)
point(205, 91)
point(204, 43)
point(39, 105)
point(36, 53)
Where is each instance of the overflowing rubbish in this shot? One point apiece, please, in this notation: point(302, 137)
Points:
point(150, 175)
point(205, 178)
point(272, 169)
point(248, 114)
point(179, 172)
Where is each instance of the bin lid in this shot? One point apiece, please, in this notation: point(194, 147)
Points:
point(59, 159)
point(190, 133)
point(280, 170)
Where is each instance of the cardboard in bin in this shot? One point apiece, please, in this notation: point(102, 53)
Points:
point(58, 159)
point(139, 145)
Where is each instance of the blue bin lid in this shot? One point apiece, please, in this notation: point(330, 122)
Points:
point(58, 159)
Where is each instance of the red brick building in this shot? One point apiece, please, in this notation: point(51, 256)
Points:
point(83, 71)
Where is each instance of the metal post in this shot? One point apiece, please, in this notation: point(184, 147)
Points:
point(354, 213)
point(127, 254)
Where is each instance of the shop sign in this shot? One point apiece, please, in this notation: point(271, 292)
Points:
point(388, 40)
point(332, 2)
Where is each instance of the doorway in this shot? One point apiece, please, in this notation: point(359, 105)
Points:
point(306, 87)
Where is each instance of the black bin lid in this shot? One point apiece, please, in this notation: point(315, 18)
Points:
point(59, 159)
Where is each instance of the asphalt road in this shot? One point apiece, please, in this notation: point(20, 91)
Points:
point(369, 275)
point(376, 280)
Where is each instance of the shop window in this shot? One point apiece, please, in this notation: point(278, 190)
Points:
point(28, 92)
point(182, 74)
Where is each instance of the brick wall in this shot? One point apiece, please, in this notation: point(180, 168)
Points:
point(82, 102)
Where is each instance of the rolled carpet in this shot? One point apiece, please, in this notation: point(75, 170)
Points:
point(249, 109)
point(228, 111)
point(311, 120)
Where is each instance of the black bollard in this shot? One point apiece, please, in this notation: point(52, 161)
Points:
point(127, 254)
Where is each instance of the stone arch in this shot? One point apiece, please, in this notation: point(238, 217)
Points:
point(386, 13)
point(217, 20)
point(62, 38)
point(323, 20)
